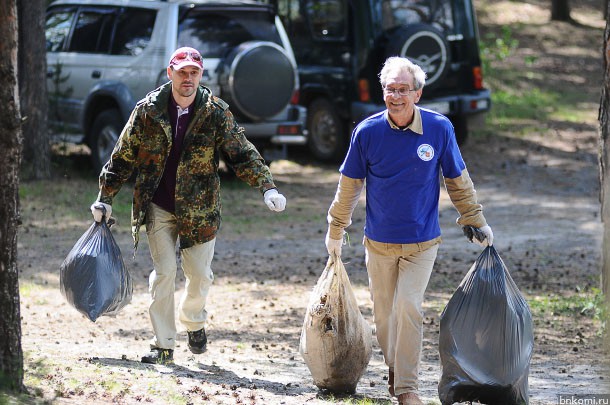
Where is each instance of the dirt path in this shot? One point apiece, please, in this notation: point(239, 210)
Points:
point(547, 229)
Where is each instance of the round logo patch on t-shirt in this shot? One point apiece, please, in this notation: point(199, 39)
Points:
point(425, 152)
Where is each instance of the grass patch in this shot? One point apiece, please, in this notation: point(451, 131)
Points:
point(532, 104)
point(28, 290)
point(332, 398)
point(515, 105)
point(47, 380)
point(590, 304)
point(524, 101)
point(70, 199)
point(20, 399)
point(577, 113)
point(244, 212)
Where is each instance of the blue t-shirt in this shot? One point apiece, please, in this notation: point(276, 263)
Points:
point(402, 171)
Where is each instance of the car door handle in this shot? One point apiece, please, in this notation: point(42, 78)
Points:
point(96, 74)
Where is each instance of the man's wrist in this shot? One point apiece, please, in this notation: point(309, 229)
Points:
point(335, 232)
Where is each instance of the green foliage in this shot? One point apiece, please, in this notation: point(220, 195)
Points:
point(595, 305)
point(356, 400)
point(524, 100)
point(496, 48)
point(589, 304)
point(532, 104)
point(340, 399)
point(32, 290)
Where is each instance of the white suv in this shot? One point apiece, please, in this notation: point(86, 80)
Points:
point(105, 55)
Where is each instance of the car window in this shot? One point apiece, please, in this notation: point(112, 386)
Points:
point(327, 18)
point(57, 28)
point(133, 31)
point(215, 32)
point(296, 25)
point(92, 31)
point(404, 12)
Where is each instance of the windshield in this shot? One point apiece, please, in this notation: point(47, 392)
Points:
point(438, 13)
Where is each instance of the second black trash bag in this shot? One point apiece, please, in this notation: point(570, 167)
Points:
point(336, 340)
point(486, 338)
point(93, 277)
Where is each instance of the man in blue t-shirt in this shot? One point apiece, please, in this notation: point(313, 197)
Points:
point(400, 154)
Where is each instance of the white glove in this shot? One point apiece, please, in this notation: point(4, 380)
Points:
point(482, 236)
point(274, 200)
point(489, 236)
point(333, 246)
point(97, 209)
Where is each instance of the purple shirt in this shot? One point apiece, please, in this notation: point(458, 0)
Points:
point(165, 196)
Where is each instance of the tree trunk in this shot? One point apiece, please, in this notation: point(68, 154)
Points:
point(11, 354)
point(560, 10)
point(32, 88)
point(604, 121)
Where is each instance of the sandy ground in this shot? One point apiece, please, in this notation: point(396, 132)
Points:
point(547, 231)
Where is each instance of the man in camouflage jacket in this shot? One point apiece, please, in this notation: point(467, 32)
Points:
point(172, 141)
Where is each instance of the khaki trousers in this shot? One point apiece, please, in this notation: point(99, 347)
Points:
point(196, 264)
point(398, 277)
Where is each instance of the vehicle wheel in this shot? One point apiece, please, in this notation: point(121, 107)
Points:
point(424, 45)
point(327, 140)
point(104, 135)
point(460, 125)
point(259, 79)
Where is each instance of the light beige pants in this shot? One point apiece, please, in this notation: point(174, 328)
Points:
point(196, 264)
point(398, 277)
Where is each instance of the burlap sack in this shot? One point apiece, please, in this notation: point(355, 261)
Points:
point(336, 340)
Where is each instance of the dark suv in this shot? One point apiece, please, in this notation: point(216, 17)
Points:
point(105, 55)
point(340, 47)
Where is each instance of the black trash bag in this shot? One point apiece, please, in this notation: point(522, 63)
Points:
point(93, 277)
point(486, 338)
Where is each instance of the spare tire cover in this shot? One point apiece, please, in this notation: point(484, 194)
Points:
point(424, 45)
point(261, 79)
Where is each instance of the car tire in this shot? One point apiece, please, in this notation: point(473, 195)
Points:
point(327, 139)
point(259, 79)
point(424, 45)
point(104, 135)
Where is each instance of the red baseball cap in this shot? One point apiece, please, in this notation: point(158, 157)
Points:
point(186, 56)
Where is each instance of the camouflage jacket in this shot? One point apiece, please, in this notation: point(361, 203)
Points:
point(145, 144)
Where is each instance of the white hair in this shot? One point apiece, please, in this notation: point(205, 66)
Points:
point(400, 64)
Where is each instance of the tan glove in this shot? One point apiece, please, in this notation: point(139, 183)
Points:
point(334, 246)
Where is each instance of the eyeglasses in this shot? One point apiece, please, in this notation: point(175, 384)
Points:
point(182, 56)
point(402, 91)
